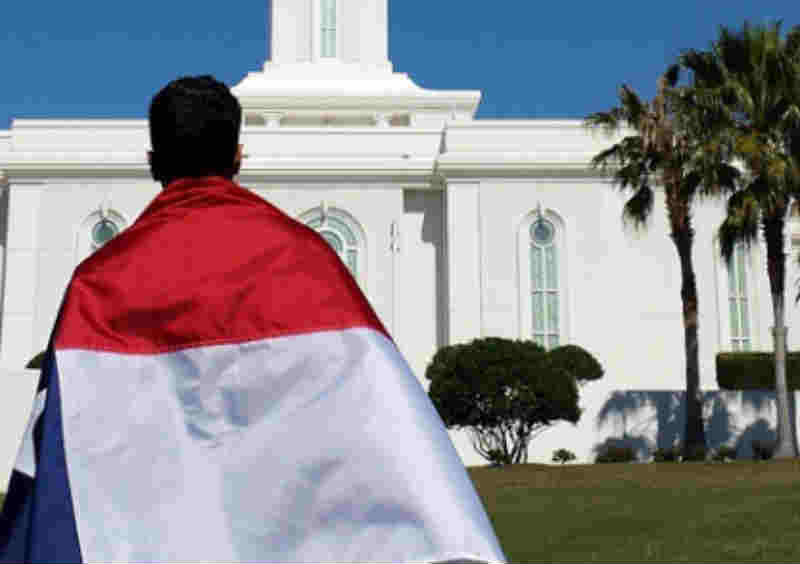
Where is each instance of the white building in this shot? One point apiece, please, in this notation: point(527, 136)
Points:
point(456, 228)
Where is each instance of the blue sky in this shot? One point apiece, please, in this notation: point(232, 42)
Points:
point(530, 59)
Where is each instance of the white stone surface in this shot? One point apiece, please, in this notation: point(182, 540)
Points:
point(21, 386)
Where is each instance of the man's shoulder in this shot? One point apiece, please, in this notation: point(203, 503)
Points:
point(228, 218)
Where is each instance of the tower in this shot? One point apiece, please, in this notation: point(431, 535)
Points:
point(329, 66)
point(351, 35)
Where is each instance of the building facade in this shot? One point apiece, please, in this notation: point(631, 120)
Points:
point(456, 228)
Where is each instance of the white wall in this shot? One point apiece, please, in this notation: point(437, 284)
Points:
point(623, 291)
point(19, 387)
point(46, 243)
point(421, 292)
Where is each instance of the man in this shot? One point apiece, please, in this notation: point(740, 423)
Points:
point(217, 388)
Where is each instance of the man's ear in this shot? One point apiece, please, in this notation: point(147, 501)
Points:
point(237, 159)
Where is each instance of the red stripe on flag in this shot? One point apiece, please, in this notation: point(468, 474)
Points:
point(209, 262)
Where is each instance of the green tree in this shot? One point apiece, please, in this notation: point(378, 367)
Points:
point(36, 362)
point(505, 392)
point(660, 148)
point(745, 88)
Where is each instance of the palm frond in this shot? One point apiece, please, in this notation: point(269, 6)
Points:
point(792, 44)
point(609, 122)
point(672, 75)
point(633, 106)
point(638, 209)
point(741, 223)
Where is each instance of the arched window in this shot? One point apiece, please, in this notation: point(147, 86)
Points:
point(342, 233)
point(97, 229)
point(103, 231)
point(542, 279)
point(544, 283)
point(738, 300)
point(327, 29)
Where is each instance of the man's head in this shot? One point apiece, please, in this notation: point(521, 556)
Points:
point(194, 130)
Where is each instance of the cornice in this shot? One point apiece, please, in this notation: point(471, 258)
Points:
point(95, 164)
point(99, 123)
point(531, 124)
point(260, 130)
point(417, 171)
point(338, 87)
point(516, 165)
point(384, 169)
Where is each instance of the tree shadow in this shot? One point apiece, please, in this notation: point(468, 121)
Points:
point(652, 419)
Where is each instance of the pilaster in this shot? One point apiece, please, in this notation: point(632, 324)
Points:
point(463, 250)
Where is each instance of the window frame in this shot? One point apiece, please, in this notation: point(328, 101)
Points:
point(325, 26)
point(525, 282)
point(84, 241)
point(357, 232)
point(752, 265)
point(318, 34)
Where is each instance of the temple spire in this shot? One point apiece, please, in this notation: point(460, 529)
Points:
point(352, 32)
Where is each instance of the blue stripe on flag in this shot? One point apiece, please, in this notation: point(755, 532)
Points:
point(38, 517)
point(15, 518)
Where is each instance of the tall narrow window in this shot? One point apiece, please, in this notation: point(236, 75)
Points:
point(738, 303)
point(544, 283)
point(328, 28)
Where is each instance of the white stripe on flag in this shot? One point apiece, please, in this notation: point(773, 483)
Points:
point(26, 457)
point(316, 447)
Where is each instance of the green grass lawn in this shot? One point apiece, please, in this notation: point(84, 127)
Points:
point(740, 511)
point(693, 512)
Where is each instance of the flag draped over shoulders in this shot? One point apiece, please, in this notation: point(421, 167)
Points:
point(217, 388)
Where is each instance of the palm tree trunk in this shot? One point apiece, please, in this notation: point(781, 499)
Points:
point(786, 446)
point(694, 433)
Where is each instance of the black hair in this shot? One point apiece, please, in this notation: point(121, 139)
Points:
point(194, 129)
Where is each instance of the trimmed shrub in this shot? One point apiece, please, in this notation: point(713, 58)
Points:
point(563, 455)
point(616, 454)
point(36, 362)
point(723, 453)
point(762, 450)
point(577, 362)
point(672, 454)
point(504, 391)
point(696, 454)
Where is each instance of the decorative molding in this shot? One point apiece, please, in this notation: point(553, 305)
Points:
point(18, 124)
point(95, 164)
point(511, 165)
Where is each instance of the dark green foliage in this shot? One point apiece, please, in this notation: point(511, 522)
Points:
point(563, 455)
point(672, 454)
point(578, 362)
point(695, 453)
point(616, 454)
point(755, 371)
point(762, 450)
point(36, 362)
point(724, 453)
point(505, 391)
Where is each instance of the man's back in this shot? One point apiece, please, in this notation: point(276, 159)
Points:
point(226, 393)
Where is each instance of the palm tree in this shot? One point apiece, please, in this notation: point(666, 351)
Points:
point(749, 82)
point(662, 149)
